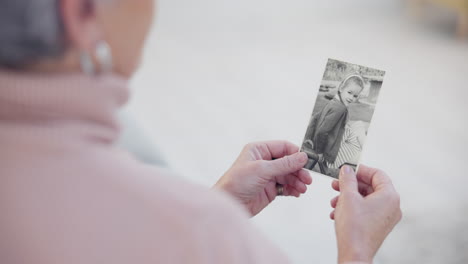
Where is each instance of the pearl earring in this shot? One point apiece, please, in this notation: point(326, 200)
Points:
point(86, 62)
point(103, 55)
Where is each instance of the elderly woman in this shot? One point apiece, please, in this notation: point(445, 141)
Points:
point(69, 195)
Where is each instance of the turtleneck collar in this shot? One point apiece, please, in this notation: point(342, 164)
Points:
point(74, 99)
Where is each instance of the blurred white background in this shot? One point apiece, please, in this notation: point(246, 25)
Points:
point(218, 74)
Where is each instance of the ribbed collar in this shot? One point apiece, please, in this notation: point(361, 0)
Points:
point(65, 98)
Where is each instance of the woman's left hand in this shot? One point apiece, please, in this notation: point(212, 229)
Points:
point(260, 167)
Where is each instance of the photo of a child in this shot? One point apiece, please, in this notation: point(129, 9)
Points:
point(342, 114)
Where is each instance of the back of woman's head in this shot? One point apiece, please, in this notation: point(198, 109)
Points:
point(55, 35)
point(30, 30)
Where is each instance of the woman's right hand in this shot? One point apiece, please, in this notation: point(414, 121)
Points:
point(366, 211)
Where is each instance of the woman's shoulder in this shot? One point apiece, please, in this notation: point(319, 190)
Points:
point(167, 190)
point(102, 197)
point(199, 214)
point(193, 199)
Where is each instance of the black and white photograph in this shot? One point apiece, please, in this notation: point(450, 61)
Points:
point(342, 114)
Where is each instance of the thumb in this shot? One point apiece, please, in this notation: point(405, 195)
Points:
point(287, 164)
point(348, 179)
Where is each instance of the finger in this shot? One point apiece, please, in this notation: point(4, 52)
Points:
point(332, 215)
point(366, 174)
point(348, 180)
point(300, 186)
point(271, 192)
point(286, 179)
point(334, 201)
point(364, 188)
point(293, 180)
point(291, 191)
point(373, 177)
point(275, 149)
point(284, 166)
point(304, 176)
point(336, 185)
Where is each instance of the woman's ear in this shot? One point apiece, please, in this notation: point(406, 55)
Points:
point(79, 23)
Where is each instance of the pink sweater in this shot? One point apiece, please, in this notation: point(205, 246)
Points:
point(68, 195)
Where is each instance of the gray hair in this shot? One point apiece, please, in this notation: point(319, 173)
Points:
point(30, 30)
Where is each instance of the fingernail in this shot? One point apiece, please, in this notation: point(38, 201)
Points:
point(302, 157)
point(348, 169)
